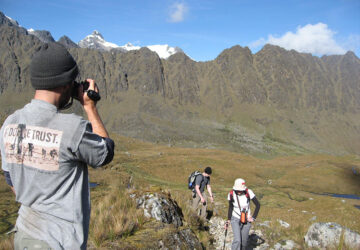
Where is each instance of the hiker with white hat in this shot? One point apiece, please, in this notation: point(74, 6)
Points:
point(239, 213)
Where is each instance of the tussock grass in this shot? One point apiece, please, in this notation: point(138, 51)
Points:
point(114, 216)
point(8, 207)
point(6, 242)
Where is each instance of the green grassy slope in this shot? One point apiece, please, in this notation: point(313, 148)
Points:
point(288, 187)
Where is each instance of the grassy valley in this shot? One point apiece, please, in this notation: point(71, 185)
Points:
point(289, 189)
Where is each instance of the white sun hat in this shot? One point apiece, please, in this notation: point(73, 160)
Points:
point(239, 184)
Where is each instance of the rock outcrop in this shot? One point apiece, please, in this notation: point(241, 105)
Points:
point(182, 239)
point(161, 207)
point(168, 224)
point(327, 235)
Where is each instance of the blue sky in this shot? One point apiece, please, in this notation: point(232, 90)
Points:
point(202, 28)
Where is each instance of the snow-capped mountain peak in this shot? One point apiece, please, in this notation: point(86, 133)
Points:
point(97, 34)
point(97, 41)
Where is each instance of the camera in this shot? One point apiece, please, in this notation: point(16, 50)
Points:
point(90, 93)
point(75, 90)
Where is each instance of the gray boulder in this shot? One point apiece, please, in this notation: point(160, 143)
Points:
point(324, 235)
point(161, 207)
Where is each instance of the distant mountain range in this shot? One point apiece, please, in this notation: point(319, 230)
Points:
point(269, 103)
point(92, 41)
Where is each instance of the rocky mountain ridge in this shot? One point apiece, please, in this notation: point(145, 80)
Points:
point(67, 42)
point(272, 102)
point(44, 35)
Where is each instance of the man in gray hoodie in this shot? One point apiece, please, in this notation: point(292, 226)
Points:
point(45, 154)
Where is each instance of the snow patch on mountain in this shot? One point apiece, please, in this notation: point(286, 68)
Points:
point(97, 41)
point(130, 46)
point(164, 51)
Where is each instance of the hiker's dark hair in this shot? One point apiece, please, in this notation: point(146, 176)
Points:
point(208, 170)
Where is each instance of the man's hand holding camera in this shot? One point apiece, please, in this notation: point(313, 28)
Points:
point(88, 93)
point(88, 99)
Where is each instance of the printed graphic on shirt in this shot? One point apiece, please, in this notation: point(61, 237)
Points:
point(32, 146)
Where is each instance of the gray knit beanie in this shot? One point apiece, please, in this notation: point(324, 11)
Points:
point(52, 66)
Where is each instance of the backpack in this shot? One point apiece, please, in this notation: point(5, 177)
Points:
point(192, 178)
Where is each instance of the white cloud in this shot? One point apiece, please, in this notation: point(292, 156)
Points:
point(316, 39)
point(178, 12)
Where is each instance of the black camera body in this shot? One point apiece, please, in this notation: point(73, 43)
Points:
point(76, 87)
point(91, 93)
